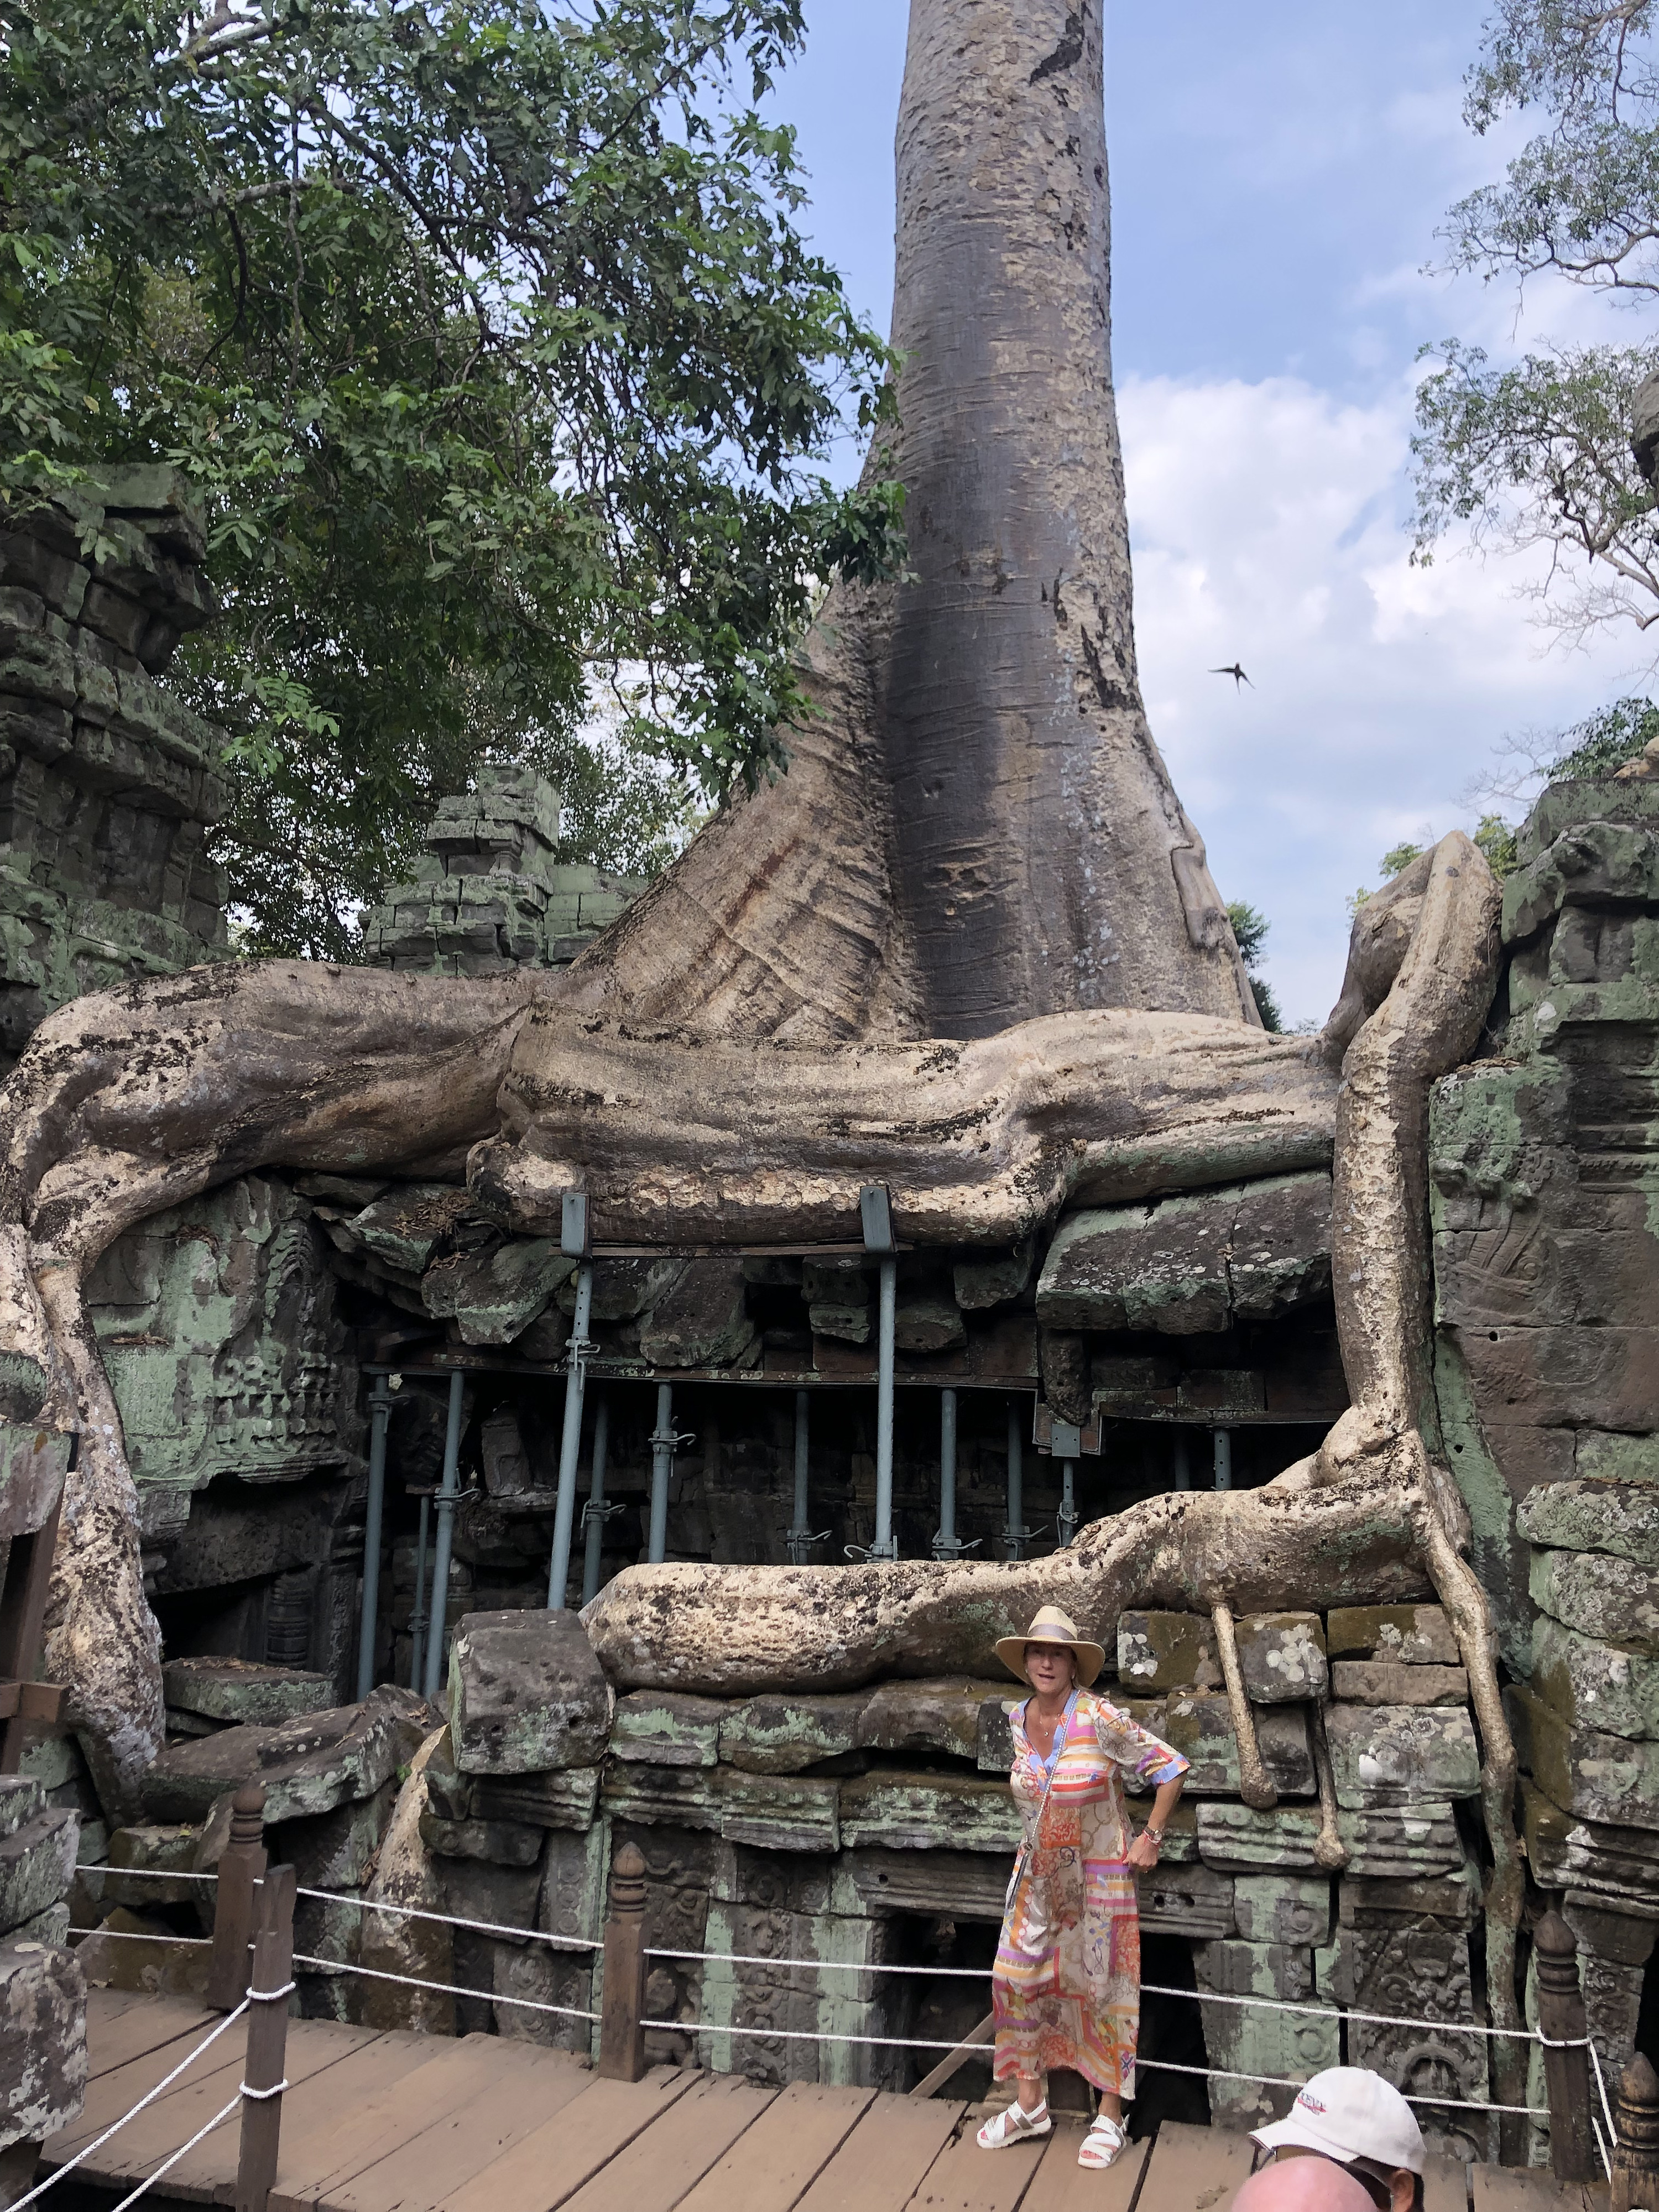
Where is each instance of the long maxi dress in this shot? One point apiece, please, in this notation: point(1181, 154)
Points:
point(1066, 1985)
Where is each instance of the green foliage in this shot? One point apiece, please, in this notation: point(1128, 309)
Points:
point(491, 345)
point(1250, 926)
point(1605, 741)
point(1495, 838)
point(1540, 453)
point(1398, 858)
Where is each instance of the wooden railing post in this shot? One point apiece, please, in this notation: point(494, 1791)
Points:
point(622, 2039)
point(263, 2080)
point(1636, 2155)
point(242, 1865)
point(1566, 2071)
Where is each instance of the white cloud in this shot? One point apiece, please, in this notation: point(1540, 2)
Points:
point(1268, 522)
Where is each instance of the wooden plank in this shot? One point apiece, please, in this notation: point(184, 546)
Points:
point(142, 2023)
point(1060, 2185)
point(1445, 2184)
point(459, 2070)
point(314, 2113)
point(1517, 2189)
point(881, 2164)
point(1196, 2168)
point(667, 2162)
point(775, 2161)
point(527, 2085)
point(552, 2163)
point(160, 2131)
point(965, 2179)
point(119, 2090)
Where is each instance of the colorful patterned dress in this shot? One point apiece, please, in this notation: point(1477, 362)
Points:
point(1067, 1980)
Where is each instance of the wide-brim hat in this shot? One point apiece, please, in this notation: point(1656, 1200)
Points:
point(1051, 1626)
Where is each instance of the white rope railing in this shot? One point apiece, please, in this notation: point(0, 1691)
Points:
point(445, 1989)
point(185, 2149)
point(115, 2127)
point(451, 1920)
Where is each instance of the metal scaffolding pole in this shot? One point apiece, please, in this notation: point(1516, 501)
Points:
point(1016, 1535)
point(1067, 1501)
point(946, 1545)
point(1183, 1462)
point(596, 1512)
point(798, 1536)
point(417, 1616)
point(886, 1543)
point(444, 1542)
point(379, 1413)
point(663, 1441)
point(1224, 1459)
point(571, 1442)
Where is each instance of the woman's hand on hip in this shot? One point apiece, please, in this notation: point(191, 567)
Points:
point(1143, 1852)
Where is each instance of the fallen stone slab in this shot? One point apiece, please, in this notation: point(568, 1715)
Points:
point(150, 1850)
point(1419, 1635)
point(43, 2041)
point(237, 1690)
point(1389, 1755)
point(667, 1728)
point(1598, 1776)
point(1391, 1682)
point(1615, 1600)
point(903, 1811)
point(527, 1695)
point(1281, 1657)
point(1594, 1683)
point(1159, 1651)
point(37, 1865)
point(1581, 1517)
point(308, 1766)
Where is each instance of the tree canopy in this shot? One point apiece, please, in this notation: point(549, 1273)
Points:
point(489, 341)
point(1539, 453)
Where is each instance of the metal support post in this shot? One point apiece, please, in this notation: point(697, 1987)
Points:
point(622, 2007)
point(1067, 1501)
point(1016, 1535)
point(379, 1413)
point(262, 2078)
point(596, 1512)
point(444, 1542)
point(418, 1618)
point(1183, 1461)
point(1224, 1459)
point(798, 1536)
point(663, 1441)
point(570, 1443)
point(886, 1543)
point(946, 1544)
point(241, 1863)
point(24, 1582)
point(1561, 2023)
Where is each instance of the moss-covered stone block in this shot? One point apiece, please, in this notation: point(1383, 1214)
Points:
point(1386, 1845)
point(1242, 2041)
point(237, 1690)
point(782, 1735)
point(1192, 1901)
point(903, 1811)
point(526, 1694)
point(1380, 1682)
point(43, 2042)
point(1160, 1651)
point(1281, 1657)
point(1282, 1908)
point(1601, 1777)
point(1585, 1517)
point(494, 1295)
point(1412, 1634)
point(941, 1716)
point(37, 1864)
point(1615, 1601)
point(667, 1728)
point(779, 1812)
point(1403, 1755)
point(1614, 1866)
point(1595, 1684)
point(1198, 1725)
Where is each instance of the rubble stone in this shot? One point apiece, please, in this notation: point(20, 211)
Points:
point(527, 1695)
point(494, 1294)
point(152, 1850)
point(43, 2041)
point(238, 1691)
point(1386, 1756)
point(308, 1766)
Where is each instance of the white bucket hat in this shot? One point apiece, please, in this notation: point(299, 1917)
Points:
point(1349, 2112)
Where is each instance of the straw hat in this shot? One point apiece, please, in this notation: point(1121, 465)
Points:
point(1052, 1627)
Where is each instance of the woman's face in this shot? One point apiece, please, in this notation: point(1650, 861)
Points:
point(1051, 1669)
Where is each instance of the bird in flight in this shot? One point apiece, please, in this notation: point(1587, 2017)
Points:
point(1235, 673)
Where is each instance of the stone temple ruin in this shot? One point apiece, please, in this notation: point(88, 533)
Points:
point(745, 1296)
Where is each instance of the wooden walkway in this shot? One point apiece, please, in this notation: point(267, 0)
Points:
point(401, 2122)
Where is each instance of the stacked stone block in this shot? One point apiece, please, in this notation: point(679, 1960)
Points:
point(1544, 1165)
point(43, 2034)
point(490, 894)
point(108, 784)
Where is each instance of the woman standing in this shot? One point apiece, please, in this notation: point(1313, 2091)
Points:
point(1067, 1978)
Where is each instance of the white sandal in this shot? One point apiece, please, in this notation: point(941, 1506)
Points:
point(1014, 2124)
point(1104, 2144)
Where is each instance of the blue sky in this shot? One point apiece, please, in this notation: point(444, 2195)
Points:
point(1278, 177)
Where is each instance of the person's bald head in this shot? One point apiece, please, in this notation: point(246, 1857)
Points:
point(1303, 2184)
